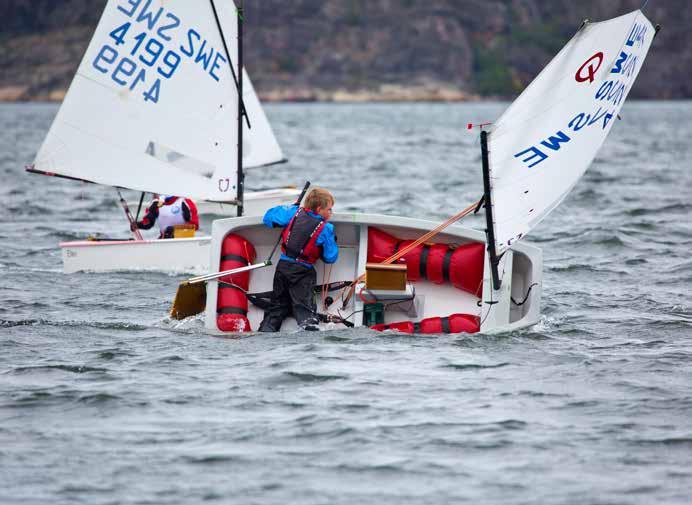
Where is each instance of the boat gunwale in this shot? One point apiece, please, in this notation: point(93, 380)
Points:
point(104, 243)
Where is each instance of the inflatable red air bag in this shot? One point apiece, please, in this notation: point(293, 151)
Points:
point(232, 304)
point(439, 263)
point(456, 323)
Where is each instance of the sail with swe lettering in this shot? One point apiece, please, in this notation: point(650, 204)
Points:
point(548, 137)
point(153, 106)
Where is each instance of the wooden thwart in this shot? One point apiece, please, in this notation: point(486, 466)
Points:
point(387, 277)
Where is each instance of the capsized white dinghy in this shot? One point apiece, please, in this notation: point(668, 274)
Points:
point(363, 239)
point(532, 157)
point(154, 107)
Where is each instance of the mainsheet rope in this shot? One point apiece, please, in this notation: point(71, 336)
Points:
point(402, 252)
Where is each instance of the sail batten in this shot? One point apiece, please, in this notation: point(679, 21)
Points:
point(546, 139)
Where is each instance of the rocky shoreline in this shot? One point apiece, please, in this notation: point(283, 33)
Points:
point(383, 93)
point(358, 51)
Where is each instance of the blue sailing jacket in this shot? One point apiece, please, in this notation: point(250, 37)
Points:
point(281, 215)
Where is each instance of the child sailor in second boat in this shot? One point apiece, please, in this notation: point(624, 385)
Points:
point(170, 212)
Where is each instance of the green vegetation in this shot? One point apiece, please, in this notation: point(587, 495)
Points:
point(287, 64)
point(491, 70)
point(546, 36)
point(355, 13)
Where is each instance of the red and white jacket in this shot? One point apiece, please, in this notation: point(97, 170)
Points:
point(169, 212)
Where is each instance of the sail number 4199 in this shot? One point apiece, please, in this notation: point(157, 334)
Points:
point(129, 68)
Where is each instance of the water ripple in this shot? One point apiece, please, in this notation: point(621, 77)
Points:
point(104, 399)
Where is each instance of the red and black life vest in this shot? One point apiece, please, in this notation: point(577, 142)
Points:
point(299, 238)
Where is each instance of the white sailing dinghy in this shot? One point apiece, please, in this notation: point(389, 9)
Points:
point(532, 157)
point(154, 108)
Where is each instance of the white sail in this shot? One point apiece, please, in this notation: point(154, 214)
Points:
point(260, 146)
point(548, 137)
point(153, 106)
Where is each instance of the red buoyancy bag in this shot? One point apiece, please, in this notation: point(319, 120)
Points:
point(232, 305)
point(456, 323)
point(381, 245)
point(462, 266)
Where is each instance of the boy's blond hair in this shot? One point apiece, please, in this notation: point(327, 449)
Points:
point(319, 197)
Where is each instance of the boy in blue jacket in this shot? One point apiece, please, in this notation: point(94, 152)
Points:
point(307, 237)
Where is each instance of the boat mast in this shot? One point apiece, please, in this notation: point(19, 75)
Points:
point(490, 230)
point(241, 110)
point(139, 207)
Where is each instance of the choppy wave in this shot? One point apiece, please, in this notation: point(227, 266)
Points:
point(290, 377)
point(73, 324)
point(473, 366)
point(62, 368)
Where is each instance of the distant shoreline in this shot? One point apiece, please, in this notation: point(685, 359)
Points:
point(383, 93)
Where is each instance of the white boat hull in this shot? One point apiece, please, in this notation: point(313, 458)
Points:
point(172, 255)
point(179, 255)
point(520, 268)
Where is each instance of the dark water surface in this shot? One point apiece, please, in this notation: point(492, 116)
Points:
point(103, 400)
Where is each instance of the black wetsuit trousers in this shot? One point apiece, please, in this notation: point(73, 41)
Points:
point(293, 293)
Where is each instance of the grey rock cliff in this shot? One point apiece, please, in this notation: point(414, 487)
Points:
point(363, 49)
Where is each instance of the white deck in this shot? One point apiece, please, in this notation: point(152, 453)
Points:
point(520, 268)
